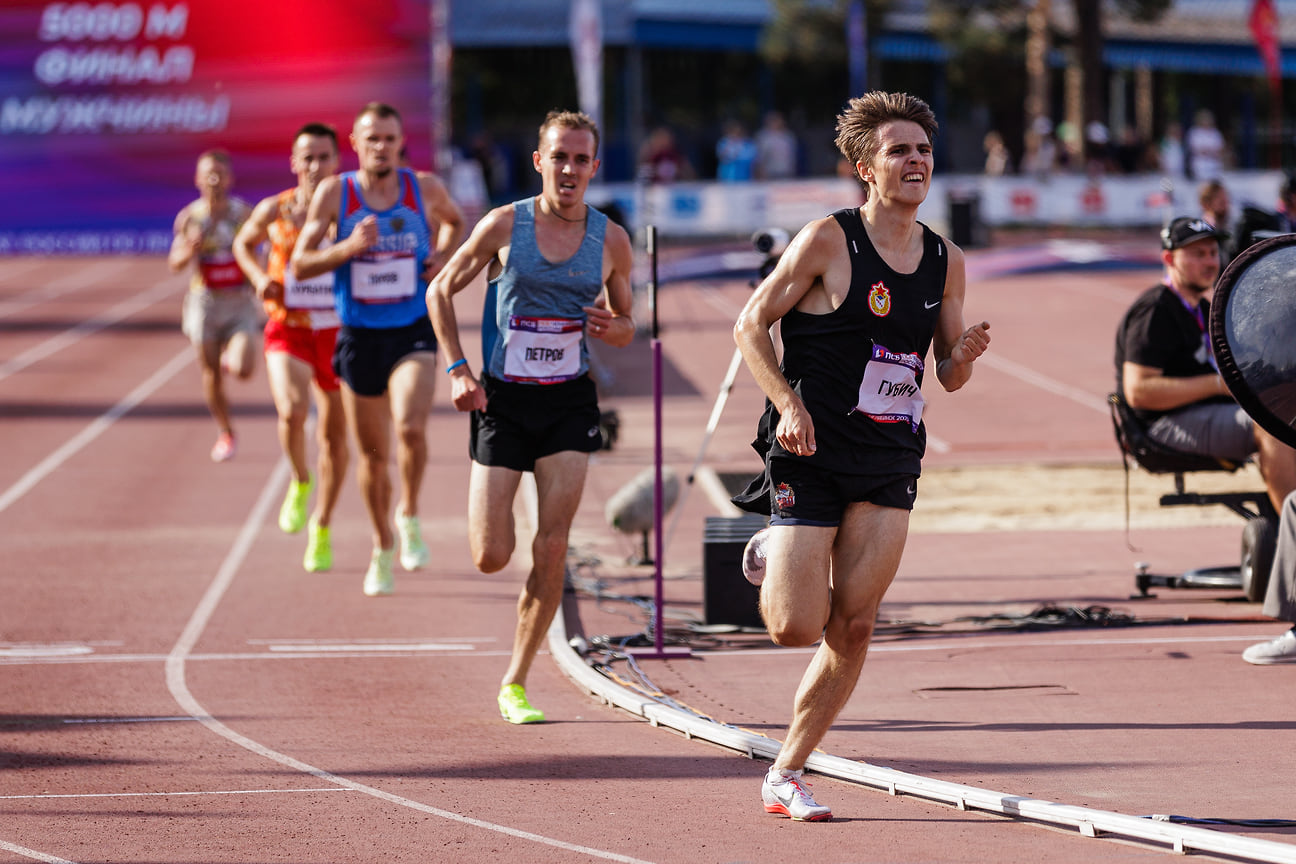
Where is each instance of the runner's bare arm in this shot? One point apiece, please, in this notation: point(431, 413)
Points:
point(612, 319)
point(184, 246)
point(954, 347)
point(307, 258)
point(443, 212)
point(254, 232)
point(483, 246)
point(800, 270)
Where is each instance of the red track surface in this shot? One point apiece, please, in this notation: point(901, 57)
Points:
point(176, 688)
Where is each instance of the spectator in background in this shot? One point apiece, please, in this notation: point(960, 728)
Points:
point(1131, 154)
point(735, 154)
point(1216, 207)
point(998, 159)
point(1070, 151)
point(1205, 144)
point(776, 149)
point(1258, 224)
point(660, 159)
point(494, 166)
point(1097, 149)
point(1039, 158)
point(1171, 152)
point(1215, 203)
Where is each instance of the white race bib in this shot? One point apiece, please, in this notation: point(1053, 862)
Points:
point(889, 391)
point(384, 277)
point(313, 293)
point(542, 350)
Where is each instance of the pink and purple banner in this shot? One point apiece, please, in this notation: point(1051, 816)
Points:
point(105, 107)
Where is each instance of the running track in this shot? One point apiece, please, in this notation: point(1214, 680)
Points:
point(178, 690)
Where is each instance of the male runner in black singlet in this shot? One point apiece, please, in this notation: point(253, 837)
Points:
point(861, 296)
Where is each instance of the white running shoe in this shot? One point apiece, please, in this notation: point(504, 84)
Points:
point(413, 551)
point(753, 563)
point(1280, 650)
point(378, 578)
point(784, 792)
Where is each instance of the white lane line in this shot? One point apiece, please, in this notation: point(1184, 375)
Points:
point(1057, 388)
point(33, 854)
point(397, 643)
point(52, 462)
point(175, 680)
point(108, 721)
point(194, 793)
point(932, 642)
point(57, 343)
point(69, 650)
point(955, 643)
point(359, 649)
point(238, 657)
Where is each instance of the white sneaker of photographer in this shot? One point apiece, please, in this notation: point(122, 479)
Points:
point(1279, 650)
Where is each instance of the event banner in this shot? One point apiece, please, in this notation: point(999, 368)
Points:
point(105, 107)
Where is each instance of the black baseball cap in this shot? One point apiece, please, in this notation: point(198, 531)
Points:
point(1189, 229)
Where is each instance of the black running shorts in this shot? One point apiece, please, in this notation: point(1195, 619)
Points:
point(805, 494)
point(364, 358)
point(524, 422)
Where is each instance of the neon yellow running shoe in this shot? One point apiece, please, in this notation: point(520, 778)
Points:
point(378, 578)
point(514, 706)
point(292, 515)
point(413, 551)
point(319, 549)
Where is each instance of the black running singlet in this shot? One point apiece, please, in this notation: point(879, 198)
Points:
point(859, 368)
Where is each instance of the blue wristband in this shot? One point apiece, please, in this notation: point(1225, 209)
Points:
point(462, 361)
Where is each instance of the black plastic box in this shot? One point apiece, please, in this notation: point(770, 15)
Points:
point(727, 596)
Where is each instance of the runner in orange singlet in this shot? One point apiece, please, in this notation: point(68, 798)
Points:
point(299, 340)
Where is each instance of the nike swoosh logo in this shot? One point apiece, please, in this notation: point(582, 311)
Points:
point(927, 305)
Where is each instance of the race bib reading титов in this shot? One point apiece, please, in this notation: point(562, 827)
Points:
point(384, 277)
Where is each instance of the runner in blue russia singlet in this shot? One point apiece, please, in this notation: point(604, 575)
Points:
point(381, 288)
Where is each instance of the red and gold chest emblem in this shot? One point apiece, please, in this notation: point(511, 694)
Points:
point(879, 300)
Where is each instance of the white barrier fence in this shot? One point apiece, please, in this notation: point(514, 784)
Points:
point(708, 209)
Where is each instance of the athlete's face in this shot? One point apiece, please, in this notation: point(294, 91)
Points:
point(213, 178)
point(1194, 268)
point(378, 141)
point(902, 167)
point(566, 163)
point(313, 158)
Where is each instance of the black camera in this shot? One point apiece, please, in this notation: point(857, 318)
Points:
point(770, 241)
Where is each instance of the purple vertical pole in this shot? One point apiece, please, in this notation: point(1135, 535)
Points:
point(659, 599)
point(657, 489)
point(658, 596)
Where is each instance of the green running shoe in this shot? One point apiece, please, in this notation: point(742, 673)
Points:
point(378, 578)
point(514, 706)
point(292, 515)
point(319, 549)
point(413, 551)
